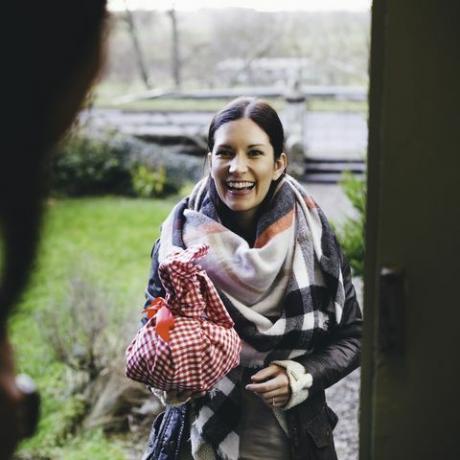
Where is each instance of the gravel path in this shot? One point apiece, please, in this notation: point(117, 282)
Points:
point(343, 398)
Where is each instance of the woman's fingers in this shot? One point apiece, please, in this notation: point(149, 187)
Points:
point(278, 385)
point(177, 397)
point(188, 394)
point(279, 392)
point(266, 373)
point(171, 394)
point(184, 395)
point(272, 385)
point(260, 388)
point(277, 402)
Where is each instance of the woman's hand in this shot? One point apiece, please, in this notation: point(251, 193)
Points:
point(272, 385)
point(176, 397)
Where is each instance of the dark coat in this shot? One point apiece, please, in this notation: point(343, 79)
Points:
point(310, 423)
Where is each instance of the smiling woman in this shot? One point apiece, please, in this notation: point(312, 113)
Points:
point(287, 287)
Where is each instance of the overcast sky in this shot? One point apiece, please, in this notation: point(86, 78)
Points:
point(261, 5)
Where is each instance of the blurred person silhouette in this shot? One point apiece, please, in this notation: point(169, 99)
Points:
point(51, 53)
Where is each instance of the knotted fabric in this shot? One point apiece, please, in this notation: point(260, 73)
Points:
point(200, 345)
point(285, 292)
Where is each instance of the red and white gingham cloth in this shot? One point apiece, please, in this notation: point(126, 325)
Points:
point(203, 345)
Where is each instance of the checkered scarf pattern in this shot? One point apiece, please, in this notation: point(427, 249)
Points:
point(283, 293)
point(203, 346)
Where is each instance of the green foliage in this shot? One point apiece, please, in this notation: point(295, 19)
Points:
point(351, 234)
point(82, 446)
point(355, 190)
point(91, 445)
point(88, 166)
point(119, 165)
point(61, 413)
point(148, 182)
point(77, 326)
point(106, 91)
point(111, 238)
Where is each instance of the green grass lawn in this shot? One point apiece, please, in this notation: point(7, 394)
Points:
point(213, 105)
point(109, 241)
point(105, 95)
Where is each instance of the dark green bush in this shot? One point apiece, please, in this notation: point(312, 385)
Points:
point(165, 167)
point(87, 166)
point(351, 233)
point(116, 164)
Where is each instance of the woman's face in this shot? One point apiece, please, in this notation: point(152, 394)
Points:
point(243, 165)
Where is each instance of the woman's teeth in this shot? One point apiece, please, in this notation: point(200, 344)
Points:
point(244, 185)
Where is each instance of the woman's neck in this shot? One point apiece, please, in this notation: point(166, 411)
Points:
point(242, 223)
point(246, 221)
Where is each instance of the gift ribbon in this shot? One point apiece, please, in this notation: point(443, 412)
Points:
point(164, 319)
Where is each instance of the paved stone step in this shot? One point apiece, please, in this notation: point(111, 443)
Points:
point(358, 167)
point(329, 171)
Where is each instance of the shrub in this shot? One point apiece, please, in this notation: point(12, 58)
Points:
point(148, 182)
point(104, 163)
point(88, 166)
point(351, 233)
point(77, 327)
point(179, 168)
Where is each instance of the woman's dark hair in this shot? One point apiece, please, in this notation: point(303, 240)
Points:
point(259, 111)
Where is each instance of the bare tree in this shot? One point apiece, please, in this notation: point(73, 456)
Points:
point(137, 47)
point(176, 61)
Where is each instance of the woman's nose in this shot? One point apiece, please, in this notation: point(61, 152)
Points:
point(238, 164)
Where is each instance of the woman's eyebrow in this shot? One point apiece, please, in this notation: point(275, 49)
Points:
point(256, 145)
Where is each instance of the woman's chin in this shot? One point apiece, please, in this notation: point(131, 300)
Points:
point(239, 209)
point(236, 206)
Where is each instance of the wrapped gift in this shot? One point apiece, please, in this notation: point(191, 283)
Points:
point(188, 342)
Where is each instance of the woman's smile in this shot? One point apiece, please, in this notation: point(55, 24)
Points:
point(240, 187)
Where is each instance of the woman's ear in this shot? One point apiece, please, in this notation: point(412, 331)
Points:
point(280, 166)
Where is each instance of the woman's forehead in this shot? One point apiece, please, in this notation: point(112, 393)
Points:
point(241, 131)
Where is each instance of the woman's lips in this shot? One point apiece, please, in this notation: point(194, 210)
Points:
point(243, 191)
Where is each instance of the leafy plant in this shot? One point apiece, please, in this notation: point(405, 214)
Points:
point(88, 166)
point(351, 233)
point(76, 327)
point(106, 164)
point(77, 261)
point(148, 182)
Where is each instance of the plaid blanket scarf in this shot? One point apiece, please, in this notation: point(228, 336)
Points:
point(283, 293)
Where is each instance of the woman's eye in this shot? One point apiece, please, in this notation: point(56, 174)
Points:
point(255, 153)
point(223, 153)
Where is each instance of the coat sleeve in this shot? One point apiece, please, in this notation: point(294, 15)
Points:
point(340, 352)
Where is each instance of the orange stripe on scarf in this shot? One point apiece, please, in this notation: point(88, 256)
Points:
point(277, 227)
